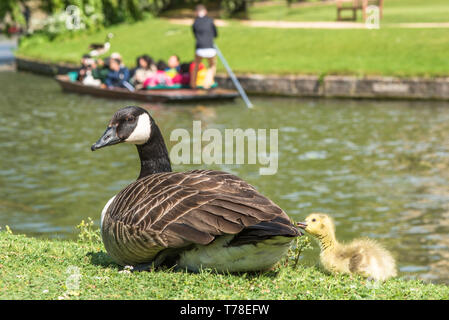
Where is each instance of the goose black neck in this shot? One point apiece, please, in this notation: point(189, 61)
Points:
point(153, 154)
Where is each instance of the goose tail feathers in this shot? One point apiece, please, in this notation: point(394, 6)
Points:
point(278, 227)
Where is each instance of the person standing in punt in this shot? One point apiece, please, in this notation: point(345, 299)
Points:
point(204, 31)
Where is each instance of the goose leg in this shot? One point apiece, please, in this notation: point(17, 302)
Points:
point(160, 258)
point(144, 267)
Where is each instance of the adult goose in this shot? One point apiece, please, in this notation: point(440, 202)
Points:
point(195, 219)
point(98, 49)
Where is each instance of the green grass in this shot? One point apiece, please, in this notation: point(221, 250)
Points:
point(284, 13)
point(396, 52)
point(395, 11)
point(39, 269)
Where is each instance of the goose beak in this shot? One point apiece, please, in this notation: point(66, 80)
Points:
point(108, 138)
point(302, 225)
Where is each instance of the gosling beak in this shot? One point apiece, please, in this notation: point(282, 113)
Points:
point(108, 138)
point(302, 225)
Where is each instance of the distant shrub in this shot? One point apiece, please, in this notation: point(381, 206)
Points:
point(236, 8)
point(72, 20)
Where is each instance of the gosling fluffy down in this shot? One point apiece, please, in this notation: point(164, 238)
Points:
point(365, 257)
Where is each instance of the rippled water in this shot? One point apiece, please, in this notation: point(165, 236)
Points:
point(380, 168)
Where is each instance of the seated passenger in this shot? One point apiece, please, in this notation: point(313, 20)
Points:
point(117, 56)
point(85, 60)
point(183, 77)
point(102, 70)
point(118, 75)
point(173, 66)
point(200, 75)
point(89, 74)
point(145, 69)
point(160, 78)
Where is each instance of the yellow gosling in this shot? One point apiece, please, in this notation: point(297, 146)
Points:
point(365, 257)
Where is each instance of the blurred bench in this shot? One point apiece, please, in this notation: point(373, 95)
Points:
point(354, 5)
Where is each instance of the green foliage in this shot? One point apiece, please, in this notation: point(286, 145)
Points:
point(236, 8)
point(7, 229)
point(289, 2)
point(71, 16)
point(94, 14)
point(88, 233)
point(13, 10)
point(299, 245)
point(111, 11)
point(72, 20)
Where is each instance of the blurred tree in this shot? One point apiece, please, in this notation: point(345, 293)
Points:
point(289, 2)
point(13, 10)
point(112, 11)
point(236, 8)
point(230, 8)
point(107, 12)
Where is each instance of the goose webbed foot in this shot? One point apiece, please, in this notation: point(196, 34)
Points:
point(143, 267)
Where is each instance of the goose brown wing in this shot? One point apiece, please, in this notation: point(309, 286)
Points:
point(176, 209)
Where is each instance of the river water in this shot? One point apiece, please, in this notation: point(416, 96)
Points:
point(380, 168)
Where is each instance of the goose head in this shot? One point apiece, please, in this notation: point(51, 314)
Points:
point(318, 224)
point(130, 124)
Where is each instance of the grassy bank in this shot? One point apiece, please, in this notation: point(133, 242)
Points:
point(397, 52)
point(41, 269)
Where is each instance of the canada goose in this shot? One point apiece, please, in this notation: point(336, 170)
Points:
point(98, 49)
point(193, 219)
point(362, 256)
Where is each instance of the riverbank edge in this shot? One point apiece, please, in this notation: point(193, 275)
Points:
point(327, 86)
point(33, 268)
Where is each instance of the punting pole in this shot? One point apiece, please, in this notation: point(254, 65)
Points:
point(234, 78)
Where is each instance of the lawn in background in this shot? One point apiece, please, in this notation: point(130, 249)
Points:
point(388, 51)
point(395, 11)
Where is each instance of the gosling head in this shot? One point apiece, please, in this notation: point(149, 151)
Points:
point(318, 224)
point(130, 124)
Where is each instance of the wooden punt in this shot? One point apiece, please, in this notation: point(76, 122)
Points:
point(156, 95)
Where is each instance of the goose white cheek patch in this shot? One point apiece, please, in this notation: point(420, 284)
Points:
point(142, 132)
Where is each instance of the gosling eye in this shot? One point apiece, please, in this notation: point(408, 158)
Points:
point(313, 220)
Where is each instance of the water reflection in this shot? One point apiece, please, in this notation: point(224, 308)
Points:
point(379, 168)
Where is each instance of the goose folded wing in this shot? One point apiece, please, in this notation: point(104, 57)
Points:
point(194, 207)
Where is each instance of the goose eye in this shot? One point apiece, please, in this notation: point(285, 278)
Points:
point(313, 220)
point(129, 119)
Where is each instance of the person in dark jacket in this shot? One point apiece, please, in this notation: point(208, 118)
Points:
point(118, 75)
point(102, 69)
point(205, 32)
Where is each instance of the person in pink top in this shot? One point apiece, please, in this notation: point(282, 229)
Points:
point(160, 78)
